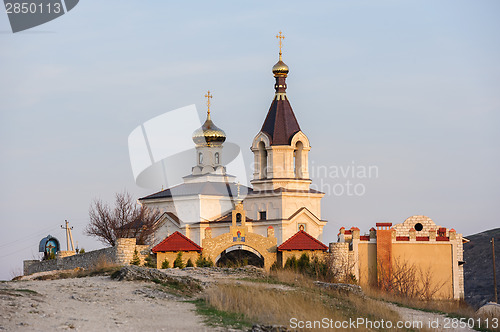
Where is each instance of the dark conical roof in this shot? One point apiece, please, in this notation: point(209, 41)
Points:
point(280, 124)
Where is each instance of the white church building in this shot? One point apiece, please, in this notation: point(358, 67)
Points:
point(280, 197)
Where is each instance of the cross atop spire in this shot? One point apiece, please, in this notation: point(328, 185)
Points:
point(280, 37)
point(208, 96)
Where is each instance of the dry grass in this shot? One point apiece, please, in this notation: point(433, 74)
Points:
point(268, 306)
point(306, 302)
point(450, 308)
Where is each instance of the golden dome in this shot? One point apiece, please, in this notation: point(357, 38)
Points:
point(209, 134)
point(280, 68)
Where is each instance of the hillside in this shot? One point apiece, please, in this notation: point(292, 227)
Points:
point(478, 271)
point(191, 299)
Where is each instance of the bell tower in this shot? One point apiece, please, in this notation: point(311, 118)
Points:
point(280, 148)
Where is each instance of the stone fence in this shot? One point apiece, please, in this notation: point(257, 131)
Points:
point(121, 254)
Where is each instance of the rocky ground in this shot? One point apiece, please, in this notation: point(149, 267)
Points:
point(130, 301)
point(93, 304)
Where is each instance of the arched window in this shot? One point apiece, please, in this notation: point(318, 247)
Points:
point(217, 158)
point(200, 158)
point(263, 160)
point(238, 218)
point(297, 159)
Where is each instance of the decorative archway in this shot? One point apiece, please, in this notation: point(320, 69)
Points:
point(264, 246)
point(240, 254)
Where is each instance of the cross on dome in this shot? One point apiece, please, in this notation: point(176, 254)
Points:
point(208, 96)
point(280, 37)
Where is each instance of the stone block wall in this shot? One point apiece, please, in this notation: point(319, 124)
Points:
point(339, 255)
point(121, 254)
point(125, 251)
point(86, 260)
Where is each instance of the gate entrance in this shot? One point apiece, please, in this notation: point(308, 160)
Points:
point(240, 255)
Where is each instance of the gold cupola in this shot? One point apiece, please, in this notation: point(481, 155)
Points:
point(280, 69)
point(209, 134)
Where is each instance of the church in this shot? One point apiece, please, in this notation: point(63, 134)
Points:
point(221, 216)
point(279, 216)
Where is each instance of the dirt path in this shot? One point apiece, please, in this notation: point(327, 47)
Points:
point(93, 304)
point(439, 322)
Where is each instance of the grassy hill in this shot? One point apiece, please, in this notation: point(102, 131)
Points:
point(478, 270)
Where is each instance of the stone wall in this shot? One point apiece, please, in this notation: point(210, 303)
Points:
point(339, 255)
point(121, 254)
point(85, 260)
point(125, 251)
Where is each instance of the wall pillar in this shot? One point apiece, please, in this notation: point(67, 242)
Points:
point(384, 251)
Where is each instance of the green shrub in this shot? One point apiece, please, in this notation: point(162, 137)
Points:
point(316, 268)
point(150, 261)
point(135, 259)
point(291, 263)
point(178, 261)
point(189, 263)
point(203, 262)
point(303, 263)
point(165, 264)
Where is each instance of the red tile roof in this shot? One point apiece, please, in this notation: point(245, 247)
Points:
point(177, 242)
point(302, 241)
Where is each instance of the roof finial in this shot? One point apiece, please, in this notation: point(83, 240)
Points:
point(280, 37)
point(208, 96)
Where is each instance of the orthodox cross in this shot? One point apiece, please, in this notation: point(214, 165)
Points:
point(208, 96)
point(280, 37)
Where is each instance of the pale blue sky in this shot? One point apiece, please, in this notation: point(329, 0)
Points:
point(409, 86)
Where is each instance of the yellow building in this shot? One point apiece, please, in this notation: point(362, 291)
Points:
point(414, 258)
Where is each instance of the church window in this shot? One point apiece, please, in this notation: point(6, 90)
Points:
point(263, 160)
point(217, 158)
point(200, 158)
point(262, 215)
point(418, 227)
point(238, 218)
point(297, 159)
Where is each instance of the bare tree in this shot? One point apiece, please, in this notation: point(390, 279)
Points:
point(407, 279)
point(127, 219)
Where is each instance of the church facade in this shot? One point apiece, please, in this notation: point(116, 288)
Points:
point(215, 208)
